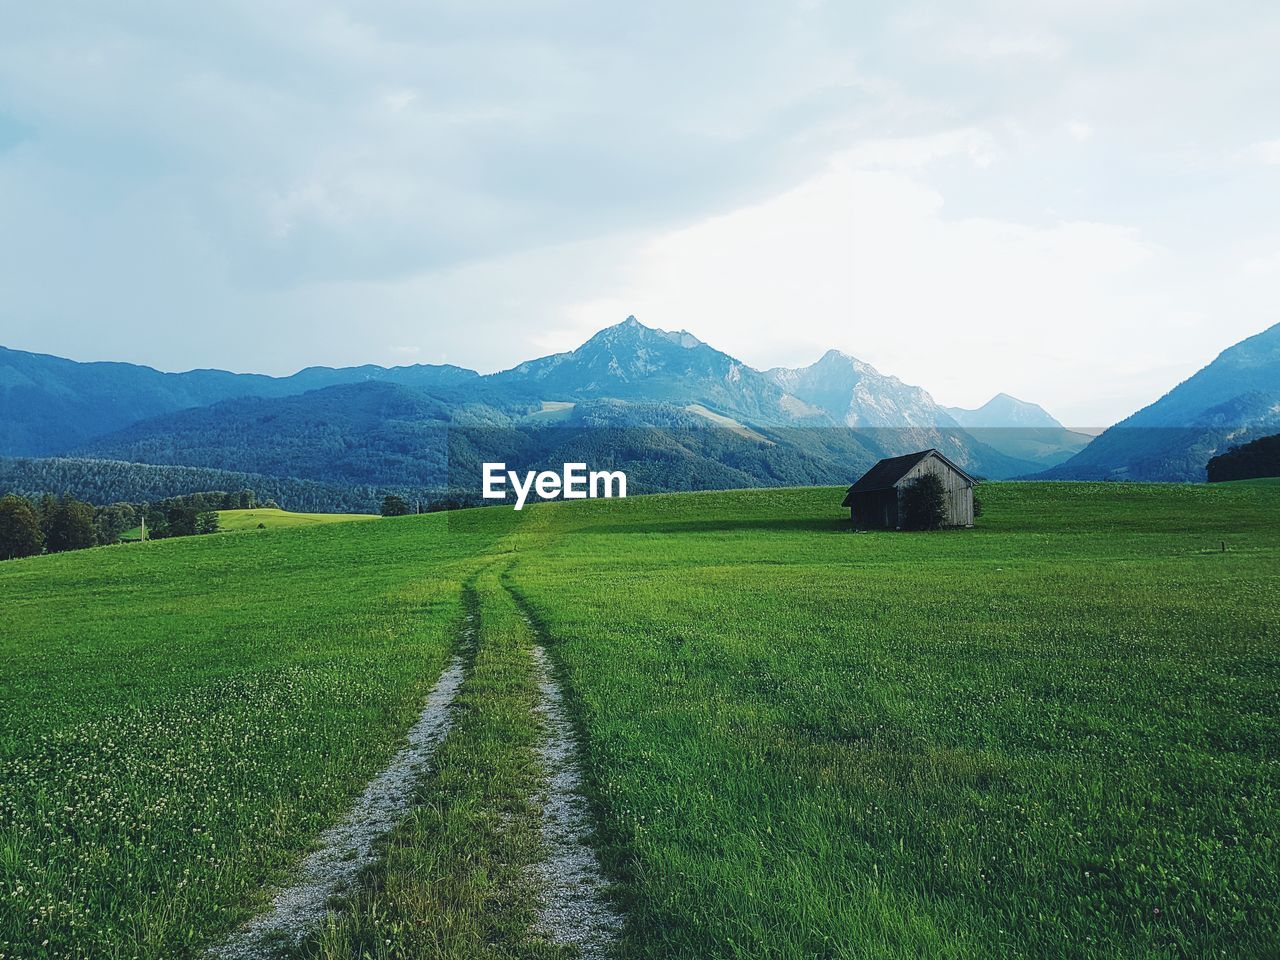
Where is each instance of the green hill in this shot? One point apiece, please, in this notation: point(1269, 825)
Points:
point(231, 520)
point(264, 518)
point(1053, 735)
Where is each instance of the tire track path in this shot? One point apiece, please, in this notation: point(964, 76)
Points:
point(348, 846)
point(575, 910)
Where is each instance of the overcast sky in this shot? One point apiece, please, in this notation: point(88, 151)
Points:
point(1073, 201)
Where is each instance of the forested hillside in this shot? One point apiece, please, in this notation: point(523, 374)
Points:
point(384, 437)
point(110, 481)
point(1249, 461)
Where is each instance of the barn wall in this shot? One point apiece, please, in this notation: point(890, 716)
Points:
point(876, 510)
point(959, 490)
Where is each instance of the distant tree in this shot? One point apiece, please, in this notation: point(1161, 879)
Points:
point(181, 520)
point(394, 506)
point(454, 500)
point(111, 521)
point(207, 522)
point(157, 523)
point(239, 500)
point(47, 508)
point(70, 526)
point(924, 503)
point(977, 508)
point(20, 533)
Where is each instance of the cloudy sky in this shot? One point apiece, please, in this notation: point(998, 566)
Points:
point(1074, 201)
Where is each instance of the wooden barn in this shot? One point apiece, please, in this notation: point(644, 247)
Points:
point(874, 501)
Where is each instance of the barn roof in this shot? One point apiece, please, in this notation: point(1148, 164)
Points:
point(886, 474)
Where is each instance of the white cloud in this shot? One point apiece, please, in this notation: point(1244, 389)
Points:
point(1079, 130)
point(985, 45)
point(398, 100)
point(314, 182)
point(1261, 275)
point(1266, 151)
point(970, 143)
point(973, 36)
point(1063, 313)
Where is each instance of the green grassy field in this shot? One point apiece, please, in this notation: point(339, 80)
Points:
point(177, 721)
point(272, 519)
point(458, 880)
point(268, 519)
point(1054, 735)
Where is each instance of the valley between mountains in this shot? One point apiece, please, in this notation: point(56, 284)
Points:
point(674, 412)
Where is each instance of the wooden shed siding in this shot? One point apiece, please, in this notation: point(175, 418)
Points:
point(959, 491)
point(877, 509)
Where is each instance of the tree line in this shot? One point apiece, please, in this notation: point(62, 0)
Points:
point(394, 505)
point(1259, 458)
point(49, 524)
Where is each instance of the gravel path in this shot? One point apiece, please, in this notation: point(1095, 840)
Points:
point(347, 847)
point(575, 910)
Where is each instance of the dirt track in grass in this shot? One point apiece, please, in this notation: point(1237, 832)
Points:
point(349, 846)
point(574, 908)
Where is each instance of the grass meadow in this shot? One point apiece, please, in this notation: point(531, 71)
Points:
point(270, 519)
point(458, 883)
point(179, 718)
point(1055, 735)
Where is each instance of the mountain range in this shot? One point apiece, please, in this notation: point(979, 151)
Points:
point(52, 405)
point(1233, 400)
point(1021, 429)
point(676, 412)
